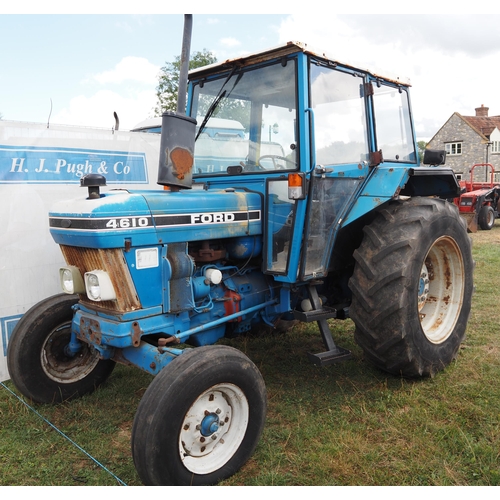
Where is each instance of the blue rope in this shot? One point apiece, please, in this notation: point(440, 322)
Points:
point(63, 435)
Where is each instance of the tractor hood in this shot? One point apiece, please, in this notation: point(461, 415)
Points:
point(122, 218)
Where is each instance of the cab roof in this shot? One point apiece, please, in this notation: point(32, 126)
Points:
point(280, 51)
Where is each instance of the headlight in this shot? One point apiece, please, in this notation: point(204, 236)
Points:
point(99, 286)
point(71, 280)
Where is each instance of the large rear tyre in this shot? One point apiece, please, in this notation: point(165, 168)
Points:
point(412, 287)
point(37, 360)
point(200, 419)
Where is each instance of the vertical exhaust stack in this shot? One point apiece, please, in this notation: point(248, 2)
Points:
point(178, 130)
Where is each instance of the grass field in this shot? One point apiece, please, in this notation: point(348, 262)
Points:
point(346, 424)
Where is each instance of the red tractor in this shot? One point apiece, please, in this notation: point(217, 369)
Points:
point(479, 201)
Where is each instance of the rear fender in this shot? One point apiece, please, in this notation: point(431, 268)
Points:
point(387, 183)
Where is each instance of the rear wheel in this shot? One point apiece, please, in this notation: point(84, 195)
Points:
point(412, 287)
point(486, 218)
point(38, 362)
point(200, 419)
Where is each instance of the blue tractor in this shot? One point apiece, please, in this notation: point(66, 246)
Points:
point(317, 209)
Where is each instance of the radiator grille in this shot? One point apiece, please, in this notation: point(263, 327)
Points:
point(113, 262)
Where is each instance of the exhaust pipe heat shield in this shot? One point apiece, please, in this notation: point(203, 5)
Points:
point(176, 151)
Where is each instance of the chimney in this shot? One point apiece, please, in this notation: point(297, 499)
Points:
point(482, 111)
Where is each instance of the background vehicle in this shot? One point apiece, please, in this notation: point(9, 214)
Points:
point(342, 223)
point(479, 201)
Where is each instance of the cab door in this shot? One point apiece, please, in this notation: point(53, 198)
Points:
point(340, 159)
point(335, 156)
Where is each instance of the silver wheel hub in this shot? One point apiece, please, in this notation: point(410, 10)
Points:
point(213, 428)
point(441, 289)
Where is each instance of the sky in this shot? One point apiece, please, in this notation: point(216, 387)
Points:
point(79, 66)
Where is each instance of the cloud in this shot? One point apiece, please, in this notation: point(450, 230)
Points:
point(97, 110)
point(124, 26)
point(229, 42)
point(130, 69)
point(472, 35)
point(451, 61)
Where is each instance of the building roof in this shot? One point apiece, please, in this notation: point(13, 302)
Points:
point(483, 124)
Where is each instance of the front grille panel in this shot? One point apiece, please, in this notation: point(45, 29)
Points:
point(113, 262)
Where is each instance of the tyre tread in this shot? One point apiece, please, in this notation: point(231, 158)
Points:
point(382, 281)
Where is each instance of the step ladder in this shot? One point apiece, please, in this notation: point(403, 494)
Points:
point(321, 314)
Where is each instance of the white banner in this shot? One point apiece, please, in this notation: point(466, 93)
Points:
point(39, 166)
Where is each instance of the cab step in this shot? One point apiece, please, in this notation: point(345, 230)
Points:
point(315, 315)
point(329, 357)
point(321, 314)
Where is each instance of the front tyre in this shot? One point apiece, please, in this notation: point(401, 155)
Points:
point(38, 363)
point(412, 287)
point(200, 419)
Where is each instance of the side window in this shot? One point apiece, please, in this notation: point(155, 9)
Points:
point(339, 116)
point(393, 123)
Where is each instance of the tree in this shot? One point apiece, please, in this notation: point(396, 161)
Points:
point(421, 149)
point(168, 81)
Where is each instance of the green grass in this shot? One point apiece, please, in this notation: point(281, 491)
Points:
point(345, 424)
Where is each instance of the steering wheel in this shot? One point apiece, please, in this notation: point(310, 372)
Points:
point(275, 158)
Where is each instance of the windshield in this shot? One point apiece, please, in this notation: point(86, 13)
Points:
point(253, 125)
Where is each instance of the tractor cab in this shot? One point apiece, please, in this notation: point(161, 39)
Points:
point(315, 132)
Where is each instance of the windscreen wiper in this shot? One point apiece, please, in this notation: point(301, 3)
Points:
point(210, 112)
point(222, 93)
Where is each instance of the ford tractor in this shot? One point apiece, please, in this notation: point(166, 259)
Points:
point(309, 205)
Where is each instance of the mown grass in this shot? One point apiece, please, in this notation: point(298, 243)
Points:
point(345, 424)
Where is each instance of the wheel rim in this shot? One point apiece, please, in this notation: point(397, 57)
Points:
point(213, 428)
point(61, 367)
point(441, 290)
point(490, 218)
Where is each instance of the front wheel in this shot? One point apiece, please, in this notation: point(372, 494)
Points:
point(412, 287)
point(200, 419)
point(37, 358)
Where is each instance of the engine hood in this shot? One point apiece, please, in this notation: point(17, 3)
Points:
point(121, 218)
